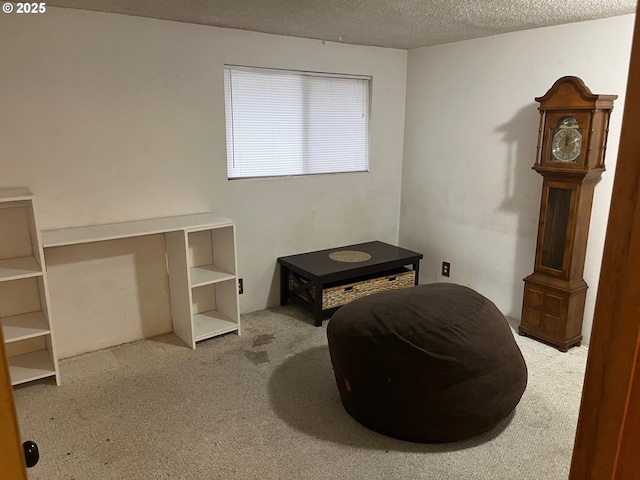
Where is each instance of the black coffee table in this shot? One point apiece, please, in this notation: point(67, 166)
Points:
point(303, 277)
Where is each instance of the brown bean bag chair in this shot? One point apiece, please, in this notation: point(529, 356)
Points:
point(431, 363)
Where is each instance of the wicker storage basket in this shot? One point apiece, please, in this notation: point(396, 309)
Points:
point(343, 294)
point(339, 295)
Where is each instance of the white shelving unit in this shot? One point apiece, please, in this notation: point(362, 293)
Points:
point(202, 267)
point(203, 282)
point(24, 296)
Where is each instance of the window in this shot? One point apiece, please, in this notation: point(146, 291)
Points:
point(282, 122)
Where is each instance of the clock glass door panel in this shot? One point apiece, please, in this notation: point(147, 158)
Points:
point(555, 227)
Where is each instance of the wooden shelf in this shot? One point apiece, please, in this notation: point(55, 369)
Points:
point(21, 327)
point(17, 268)
point(30, 366)
point(212, 323)
point(208, 274)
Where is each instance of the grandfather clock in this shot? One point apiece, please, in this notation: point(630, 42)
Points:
point(572, 139)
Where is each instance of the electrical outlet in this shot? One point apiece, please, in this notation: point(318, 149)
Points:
point(240, 286)
point(446, 269)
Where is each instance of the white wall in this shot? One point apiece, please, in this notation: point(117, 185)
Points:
point(469, 195)
point(111, 118)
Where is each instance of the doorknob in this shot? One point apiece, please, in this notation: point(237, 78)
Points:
point(31, 453)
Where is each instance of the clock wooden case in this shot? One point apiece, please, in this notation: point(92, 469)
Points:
point(572, 139)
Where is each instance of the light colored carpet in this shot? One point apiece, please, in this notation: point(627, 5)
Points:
point(264, 405)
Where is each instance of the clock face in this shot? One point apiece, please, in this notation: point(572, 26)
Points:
point(566, 142)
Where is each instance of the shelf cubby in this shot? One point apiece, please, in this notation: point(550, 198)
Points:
point(17, 268)
point(23, 326)
point(212, 323)
point(31, 366)
point(214, 309)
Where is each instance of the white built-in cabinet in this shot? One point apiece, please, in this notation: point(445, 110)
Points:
point(24, 294)
point(201, 262)
point(201, 265)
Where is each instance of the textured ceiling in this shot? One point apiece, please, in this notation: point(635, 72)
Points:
point(388, 23)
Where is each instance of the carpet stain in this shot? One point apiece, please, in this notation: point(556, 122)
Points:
point(257, 358)
point(264, 339)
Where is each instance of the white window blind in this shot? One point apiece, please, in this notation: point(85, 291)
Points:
point(282, 122)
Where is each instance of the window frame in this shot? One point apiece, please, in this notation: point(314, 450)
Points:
point(228, 97)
